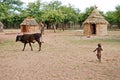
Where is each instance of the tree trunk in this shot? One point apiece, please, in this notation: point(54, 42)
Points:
point(54, 27)
point(1, 28)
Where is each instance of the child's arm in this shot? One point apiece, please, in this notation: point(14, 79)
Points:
point(95, 50)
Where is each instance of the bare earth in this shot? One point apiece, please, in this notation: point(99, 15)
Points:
point(65, 55)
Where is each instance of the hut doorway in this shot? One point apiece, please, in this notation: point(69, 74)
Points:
point(93, 28)
point(24, 28)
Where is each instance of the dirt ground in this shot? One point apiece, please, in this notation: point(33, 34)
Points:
point(65, 55)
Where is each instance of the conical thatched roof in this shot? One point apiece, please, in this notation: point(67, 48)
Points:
point(95, 17)
point(29, 21)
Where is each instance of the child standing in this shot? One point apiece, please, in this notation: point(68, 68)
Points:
point(98, 49)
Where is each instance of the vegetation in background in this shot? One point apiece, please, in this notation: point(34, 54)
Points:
point(13, 12)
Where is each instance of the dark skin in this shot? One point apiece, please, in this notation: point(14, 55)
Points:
point(98, 49)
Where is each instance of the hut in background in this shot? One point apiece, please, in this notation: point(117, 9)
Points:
point(1, 27)
point(29, 25)
point(95, 24)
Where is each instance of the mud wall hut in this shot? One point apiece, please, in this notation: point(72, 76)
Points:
point(95, 24)
point(29, 25)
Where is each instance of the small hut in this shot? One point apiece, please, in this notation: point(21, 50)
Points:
point(95, 24)
point(1, 27)
point(29, 25)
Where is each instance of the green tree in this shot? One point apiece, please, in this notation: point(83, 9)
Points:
point(70, 15)
point(7, 9)
point(9, 6)
point(111, 17)
point(117, 15)
point(33, 9)
point(81, 18)
point(53, 13)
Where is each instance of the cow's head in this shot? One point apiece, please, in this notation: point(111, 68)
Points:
point(18, 38)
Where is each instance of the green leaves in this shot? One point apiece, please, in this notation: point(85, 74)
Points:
point(52, 12)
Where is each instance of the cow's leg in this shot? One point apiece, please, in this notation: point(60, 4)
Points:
point(31, 46)
point(39, 44)
point(24, 46)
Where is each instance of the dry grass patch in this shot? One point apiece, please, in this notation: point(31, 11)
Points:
point(65, 55)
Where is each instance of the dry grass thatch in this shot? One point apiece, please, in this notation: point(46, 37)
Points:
point(29, 21)
point(95, 17)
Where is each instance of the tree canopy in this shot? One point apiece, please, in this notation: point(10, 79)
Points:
point(13, 12)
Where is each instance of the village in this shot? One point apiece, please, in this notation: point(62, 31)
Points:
point(64, 55)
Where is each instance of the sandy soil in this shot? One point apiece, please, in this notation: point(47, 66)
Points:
point(64, 56)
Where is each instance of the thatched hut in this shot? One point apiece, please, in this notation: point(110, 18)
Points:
point(29, 25)
point(95, 24)
point(1, 27)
